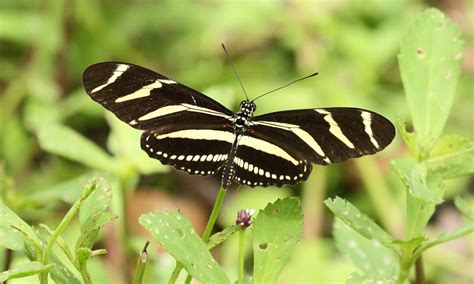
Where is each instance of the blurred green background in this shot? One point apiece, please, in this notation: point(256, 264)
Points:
point(46, 45)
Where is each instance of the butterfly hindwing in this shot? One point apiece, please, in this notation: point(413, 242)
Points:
point(145, 99)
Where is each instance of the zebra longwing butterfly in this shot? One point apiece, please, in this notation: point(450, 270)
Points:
point(193, 133)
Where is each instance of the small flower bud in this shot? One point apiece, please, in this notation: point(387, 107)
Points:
point(244, 218)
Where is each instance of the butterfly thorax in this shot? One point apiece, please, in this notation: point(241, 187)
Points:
point(244, 116)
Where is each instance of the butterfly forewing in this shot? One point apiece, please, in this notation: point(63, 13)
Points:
point(145, 99)
point(329, 135)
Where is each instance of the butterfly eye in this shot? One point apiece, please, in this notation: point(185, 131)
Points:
point(254, 107)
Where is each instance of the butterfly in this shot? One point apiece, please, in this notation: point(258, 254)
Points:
point(196, 134)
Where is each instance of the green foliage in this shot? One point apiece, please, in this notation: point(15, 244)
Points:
point(37, 243)
point(466, 206)
point(25, 270)
point(430, 57)
point(368, 255)
point(430, 66)
point(359, 222)
point(176, 234)
point(276, 231)
point(359, 278)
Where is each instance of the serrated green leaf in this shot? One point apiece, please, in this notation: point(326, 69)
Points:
point(124, 142)
point(361, 278)
point(368, 255)
point(453, 156)
point(276, 231)
point(98, 202)
point(359, 222)
point(221, 236)
point(466, 206)
point(65, 142)
point(421, 183)
point(24, 270)
point(93, 214)
point(176, 234)
point(429, 59)
point(10, 238)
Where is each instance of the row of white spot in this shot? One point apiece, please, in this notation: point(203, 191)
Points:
point(258, 171)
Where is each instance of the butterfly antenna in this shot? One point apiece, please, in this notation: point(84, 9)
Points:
point(235, 71)
point(284, 86)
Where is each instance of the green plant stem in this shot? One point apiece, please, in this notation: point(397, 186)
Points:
point(214, 213)
point(64, 222)
point(141, 264)
point(84, 273)
point(419, 271)
point(241, 255)
point(175, 273)
point(207, 232)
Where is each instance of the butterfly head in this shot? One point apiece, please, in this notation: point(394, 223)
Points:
point(247, 107)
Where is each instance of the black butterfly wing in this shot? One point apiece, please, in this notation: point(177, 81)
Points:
point(180, 123)
point(301, 137)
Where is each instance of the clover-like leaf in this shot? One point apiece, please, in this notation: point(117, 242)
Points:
point(276, 231)
point(359, 222)
point(176, 234)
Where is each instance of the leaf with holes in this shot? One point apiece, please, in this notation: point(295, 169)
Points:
point(368, 255)
point(359, 222)
point(429, 59)
point(176, 234)
point(276, 231)
point(25, 270)
point(221, 236)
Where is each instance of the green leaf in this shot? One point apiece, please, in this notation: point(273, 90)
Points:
point(24, 270)
point(176, 234)
point(368, 255)
point(466, 206)
point(276, 231)
point(421, 183)
point(94, 214)
point(124, 142)
point(98, 202)
point(359, 222)
point(63, 141)
point(429, 60)
point(360, 278)
point(453, 156)
point(90, 229)
point(221, 236)
point(8, 219)
point(10, 238)
point(409, 137)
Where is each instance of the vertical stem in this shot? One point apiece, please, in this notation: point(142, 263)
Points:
point(241, 255)
point(214, 213)
point(419, 271)
point(141, 264)
point(175, 273)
